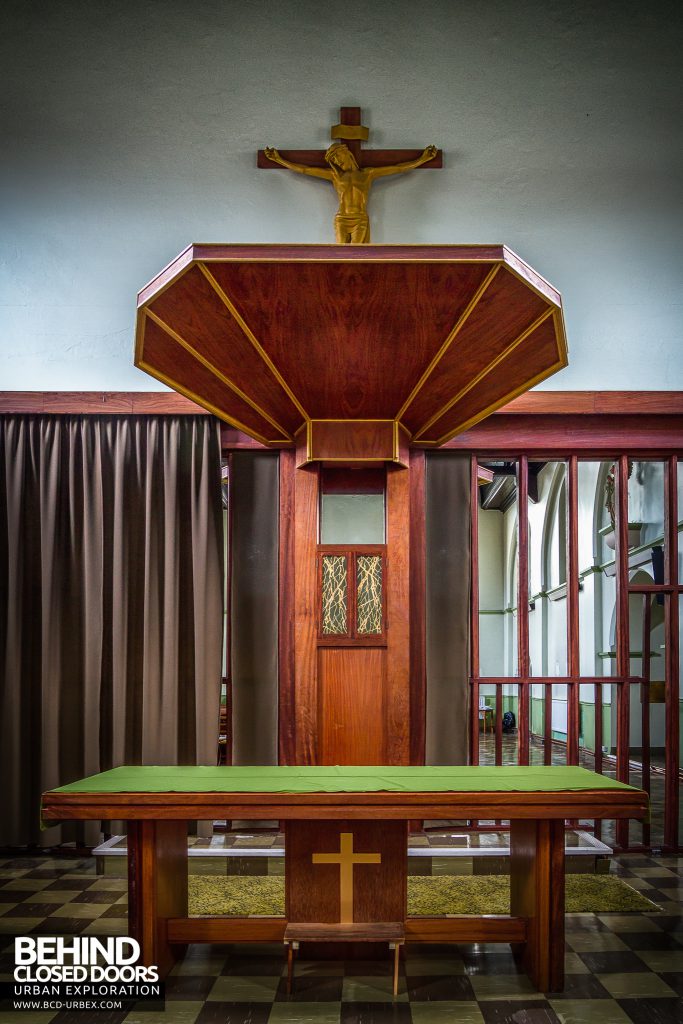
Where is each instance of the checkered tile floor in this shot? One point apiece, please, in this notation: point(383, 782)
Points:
point(620, 968)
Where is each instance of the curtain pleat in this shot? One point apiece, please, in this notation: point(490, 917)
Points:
point(111, 603)
point(448, 524)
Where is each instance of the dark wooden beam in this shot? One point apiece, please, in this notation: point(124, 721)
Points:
point(598, 435)
point(534, 403)
point(108, 402)
point(349, 117)
point(583, 403)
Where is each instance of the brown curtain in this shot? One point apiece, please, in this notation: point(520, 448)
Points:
point(111, 603)
point(448, 522)
point(254, 493)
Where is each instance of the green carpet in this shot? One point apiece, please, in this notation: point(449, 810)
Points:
point(245, 895)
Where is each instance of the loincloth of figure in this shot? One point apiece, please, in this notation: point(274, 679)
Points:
point(357, 225)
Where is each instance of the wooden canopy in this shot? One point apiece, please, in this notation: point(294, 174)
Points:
point(427, 340)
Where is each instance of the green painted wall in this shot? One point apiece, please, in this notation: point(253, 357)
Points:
point(586, 723)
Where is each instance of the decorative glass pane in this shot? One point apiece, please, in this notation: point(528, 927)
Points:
point(369, 594)
point(334, 594)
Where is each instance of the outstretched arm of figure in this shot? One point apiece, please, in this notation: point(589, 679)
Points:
point(313, 172)
point(382, 172)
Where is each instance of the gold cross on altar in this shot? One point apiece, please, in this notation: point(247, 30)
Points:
point(346, 858)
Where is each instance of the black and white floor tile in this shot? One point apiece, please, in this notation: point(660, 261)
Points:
point(620, 968)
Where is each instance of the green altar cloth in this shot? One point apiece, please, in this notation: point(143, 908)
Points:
point(342, 779)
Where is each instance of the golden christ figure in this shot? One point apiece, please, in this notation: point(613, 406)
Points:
point(352, 185)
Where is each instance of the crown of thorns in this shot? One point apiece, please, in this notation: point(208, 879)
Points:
point(335, 148)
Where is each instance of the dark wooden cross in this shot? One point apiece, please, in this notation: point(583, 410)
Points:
point(352, 132)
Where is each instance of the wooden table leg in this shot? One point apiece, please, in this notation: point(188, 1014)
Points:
point(537, 893)
point(290, 967)
point(397, 948)
point(157, 887)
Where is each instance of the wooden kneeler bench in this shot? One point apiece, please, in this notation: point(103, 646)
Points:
point(392, 932)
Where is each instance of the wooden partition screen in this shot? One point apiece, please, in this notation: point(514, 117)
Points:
point(661, 779)
point(572, 427)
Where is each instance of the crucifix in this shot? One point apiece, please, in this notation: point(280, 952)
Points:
point(346, 858)
point(350, 169)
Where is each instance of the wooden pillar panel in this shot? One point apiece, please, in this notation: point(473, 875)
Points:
point(157, 887)
point(306, 493)
point(313, 889)
point(537, 894)
point(397, 714)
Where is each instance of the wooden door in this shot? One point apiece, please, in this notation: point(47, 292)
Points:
point(351, 698)
point(345, 698)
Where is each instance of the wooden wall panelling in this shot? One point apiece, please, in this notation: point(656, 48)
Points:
point(286, 628)
point(351, 440)
point(402, 446)
point(302, 442)
point(352, 705)
point(522, 366)
point(95, 402)
point(175, 365)
point(306, 489)
point(597, 435)
point(397, 722)
point(374, 324)
point(232, 439)
point(198, 317)
point(506, 309)
point(550, 405)
point(353, 480)
point(581, 403)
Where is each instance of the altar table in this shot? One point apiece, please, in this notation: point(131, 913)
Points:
point(346, 832)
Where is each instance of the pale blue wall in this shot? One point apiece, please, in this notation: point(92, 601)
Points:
point(130, 130)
